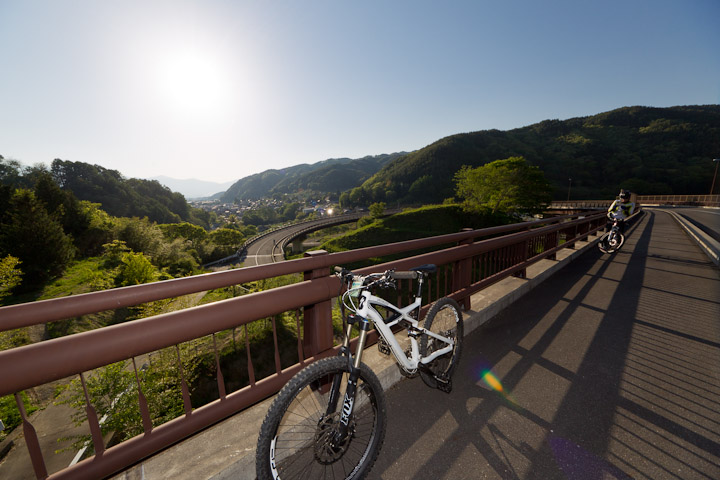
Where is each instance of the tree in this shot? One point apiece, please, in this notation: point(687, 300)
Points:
point(377, 210)
point(140, 235)
point(510, 185)
point(29, 233)
point(289, 211)
point(226, 236)
point(191, 232)
point(10, 275)
point(135, 269)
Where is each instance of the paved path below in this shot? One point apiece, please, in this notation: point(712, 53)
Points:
point(608, 370)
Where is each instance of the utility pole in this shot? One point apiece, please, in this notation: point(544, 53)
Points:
point(716, 161)
point(569, 185)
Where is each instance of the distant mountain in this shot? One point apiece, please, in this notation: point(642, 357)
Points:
point(643, 149)
point(192, 188)
point(332, 175)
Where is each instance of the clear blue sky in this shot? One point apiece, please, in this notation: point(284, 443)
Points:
point(217, 90)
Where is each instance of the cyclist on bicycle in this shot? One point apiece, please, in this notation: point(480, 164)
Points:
point(620, 210)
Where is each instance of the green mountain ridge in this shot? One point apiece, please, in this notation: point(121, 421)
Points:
point(332, 175)
point(647, 150)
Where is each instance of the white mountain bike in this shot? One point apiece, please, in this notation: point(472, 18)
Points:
point(329, 420)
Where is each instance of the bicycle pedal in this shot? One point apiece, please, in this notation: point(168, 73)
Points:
point(444, 383)
point(383, 347)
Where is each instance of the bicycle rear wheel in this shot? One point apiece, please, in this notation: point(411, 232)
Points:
point(297, 437)
point(444, 318)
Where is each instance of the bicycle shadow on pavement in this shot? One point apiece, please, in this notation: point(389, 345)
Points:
point(576, 380)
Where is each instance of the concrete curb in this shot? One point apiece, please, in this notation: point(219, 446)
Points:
point(227, 450)
point(709, 245)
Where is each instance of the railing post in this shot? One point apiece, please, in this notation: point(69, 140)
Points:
point(570, 236)
point(462, 273)
point(317, 324)
point(552, 240)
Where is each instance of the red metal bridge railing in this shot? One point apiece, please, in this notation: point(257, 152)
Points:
point(298, 317)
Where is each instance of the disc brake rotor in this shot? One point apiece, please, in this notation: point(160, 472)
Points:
point(327, 448)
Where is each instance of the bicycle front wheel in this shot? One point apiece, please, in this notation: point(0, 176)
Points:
point(445, 319)
point(299, 437)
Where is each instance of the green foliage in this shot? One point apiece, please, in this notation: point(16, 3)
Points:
point(510, 186)
point(10, 414)
point(135, 269)
point(82, 276)
point(377, 210)
point(113, 392)
point(113, 253)
point(99, 229)
point(140, 235)
point(10, 275)
point(264, 215)
point(177, 258)
point(29, 233)
point(14, 338)
point(195, 234)
point(422, 222)
point(226, 236)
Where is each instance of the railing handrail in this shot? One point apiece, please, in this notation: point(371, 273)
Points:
point(36, 364)
point(44, 311)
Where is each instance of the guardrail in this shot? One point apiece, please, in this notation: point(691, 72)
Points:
point(688, 200)
point(468, 262)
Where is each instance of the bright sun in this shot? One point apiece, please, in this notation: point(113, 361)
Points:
point(193, 83)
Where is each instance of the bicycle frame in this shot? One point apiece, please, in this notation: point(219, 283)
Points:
point(367, 310)
point(614, 230)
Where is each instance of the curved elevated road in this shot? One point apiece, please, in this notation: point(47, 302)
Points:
point(268, 248)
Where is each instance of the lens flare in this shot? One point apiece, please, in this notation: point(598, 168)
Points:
point(492, 381)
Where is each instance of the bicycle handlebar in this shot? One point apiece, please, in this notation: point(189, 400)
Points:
point(388, 274)
point(409, 275)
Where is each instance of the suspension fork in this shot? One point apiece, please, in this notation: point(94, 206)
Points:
point(337, 378)
point(351, 389)
point(354, 364)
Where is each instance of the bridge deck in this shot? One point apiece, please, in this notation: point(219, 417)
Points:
point(609, 369)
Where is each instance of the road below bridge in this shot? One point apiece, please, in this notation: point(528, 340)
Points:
point(268, 248)
point(610, 369)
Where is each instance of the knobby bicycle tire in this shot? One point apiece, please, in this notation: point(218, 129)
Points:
point(444, 318)
point(604, 243)
point(293, 441)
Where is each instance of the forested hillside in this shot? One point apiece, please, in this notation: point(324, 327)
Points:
point(646, 150)
point(45, 229)
point(333, 175)
point(123, 197)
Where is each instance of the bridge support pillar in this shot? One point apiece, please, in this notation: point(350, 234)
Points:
point(317, 325)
